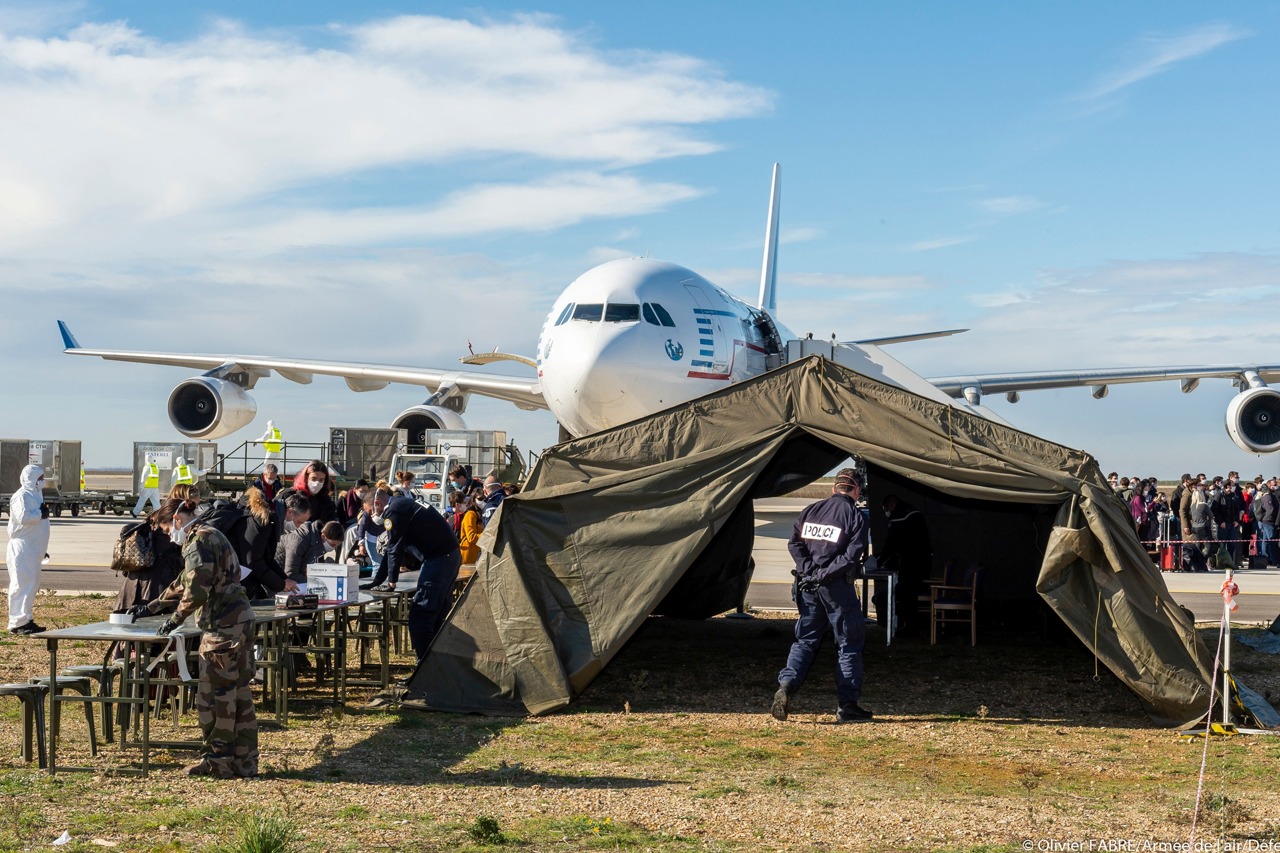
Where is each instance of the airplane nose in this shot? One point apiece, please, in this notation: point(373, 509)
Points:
point(600, 378)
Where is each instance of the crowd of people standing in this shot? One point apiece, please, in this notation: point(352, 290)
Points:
point(1219, 516)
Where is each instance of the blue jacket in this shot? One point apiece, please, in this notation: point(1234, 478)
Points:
point(829, 541)
point(414, 533)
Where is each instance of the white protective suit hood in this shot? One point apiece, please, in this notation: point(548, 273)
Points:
point(180, 462)
point(29, 476)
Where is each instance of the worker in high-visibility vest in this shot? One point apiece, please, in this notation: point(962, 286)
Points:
point(272, 442)
point(184, 473)
point(81, 478)
point(150, 490)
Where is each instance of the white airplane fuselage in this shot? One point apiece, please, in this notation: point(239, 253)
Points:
point(635, 336)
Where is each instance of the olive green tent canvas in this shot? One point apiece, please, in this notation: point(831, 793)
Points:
point(655, 516)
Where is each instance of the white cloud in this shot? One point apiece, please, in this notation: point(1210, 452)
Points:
point(1155, 54)
point(937, 243)
point(1010, 205)
point(123, 127)
point(800, 234)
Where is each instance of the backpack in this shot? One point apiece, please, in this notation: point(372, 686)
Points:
point(230, 520)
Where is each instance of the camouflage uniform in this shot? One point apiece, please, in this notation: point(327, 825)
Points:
point(210, 583)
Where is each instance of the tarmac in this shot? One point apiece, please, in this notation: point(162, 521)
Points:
point(80, 556)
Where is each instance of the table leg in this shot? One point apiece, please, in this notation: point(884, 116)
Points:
point(144, 661)
point(53, 686)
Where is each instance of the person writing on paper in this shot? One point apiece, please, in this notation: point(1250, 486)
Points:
point(209, 587)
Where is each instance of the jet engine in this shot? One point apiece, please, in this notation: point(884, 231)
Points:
point(208, 408)
point(1253, 420)
point(418, 419)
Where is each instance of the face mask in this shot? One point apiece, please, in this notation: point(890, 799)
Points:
point(270, 481)
point(328, 546)
point(377, 519)
point(289, 526)
point(314, 486)
point(178, 534)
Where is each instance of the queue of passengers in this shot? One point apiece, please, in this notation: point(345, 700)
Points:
point(1219, 516)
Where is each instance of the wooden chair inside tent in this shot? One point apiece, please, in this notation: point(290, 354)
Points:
point(956, 600)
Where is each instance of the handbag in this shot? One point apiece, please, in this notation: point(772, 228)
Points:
point(134, 551)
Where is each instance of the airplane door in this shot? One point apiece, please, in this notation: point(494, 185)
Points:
point(713, 346)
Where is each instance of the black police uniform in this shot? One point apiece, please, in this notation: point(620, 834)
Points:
point(829, 544)
point(419, 537)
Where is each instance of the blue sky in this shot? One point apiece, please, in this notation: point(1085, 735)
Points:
point(1081, 184)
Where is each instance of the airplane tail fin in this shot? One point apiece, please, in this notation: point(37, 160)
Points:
point(768, 270)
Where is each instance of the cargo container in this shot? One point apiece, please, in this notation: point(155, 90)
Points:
point(60, 460)
point(202, 455)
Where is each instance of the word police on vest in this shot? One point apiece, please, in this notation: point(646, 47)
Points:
point(825, 532)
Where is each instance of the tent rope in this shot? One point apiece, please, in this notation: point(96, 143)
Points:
point(1097, 615)
point(1208, 727)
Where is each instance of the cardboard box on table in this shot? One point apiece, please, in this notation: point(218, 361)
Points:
point(335, 583)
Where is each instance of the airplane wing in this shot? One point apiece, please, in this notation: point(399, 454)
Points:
point(1011, 384)
point(525, 393)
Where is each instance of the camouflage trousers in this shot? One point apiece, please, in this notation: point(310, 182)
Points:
point(224, 701)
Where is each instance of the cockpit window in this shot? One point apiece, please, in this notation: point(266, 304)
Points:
point(564, 315)
point(589, 312)
point(663, 316)
point(616, 312)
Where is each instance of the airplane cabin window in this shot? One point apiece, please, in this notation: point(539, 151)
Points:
point(616, 312)
point(649, 316)
point(564, 315)
point(663, 315)
point(589, 312)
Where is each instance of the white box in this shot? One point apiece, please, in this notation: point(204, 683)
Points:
point(335, 583)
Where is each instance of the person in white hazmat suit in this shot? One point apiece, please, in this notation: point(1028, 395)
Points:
point(28, 543)
point(272, 442)
point(184, 473)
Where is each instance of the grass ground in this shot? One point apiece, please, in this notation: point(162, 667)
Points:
point(672, 748)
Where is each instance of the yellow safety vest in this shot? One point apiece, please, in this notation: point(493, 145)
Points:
point(184, 475)
point(152, 480)
point(274, 442)
point(82, 478)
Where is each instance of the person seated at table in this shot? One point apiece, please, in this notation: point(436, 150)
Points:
point(369, 527)
point(255, 541)
point(331, 536)
point(300, 546)
point(145, 585)
point(209, 586)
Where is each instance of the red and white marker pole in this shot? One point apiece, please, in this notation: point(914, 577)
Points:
point(1229, 592)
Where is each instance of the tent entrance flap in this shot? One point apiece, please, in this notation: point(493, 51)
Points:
point(615, 522)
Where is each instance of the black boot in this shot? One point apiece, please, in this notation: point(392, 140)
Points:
point(853, 713)
point(780, 701)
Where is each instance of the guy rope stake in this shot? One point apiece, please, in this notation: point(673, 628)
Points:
point(1229, 606)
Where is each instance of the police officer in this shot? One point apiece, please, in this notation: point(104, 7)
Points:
point(210, 584)
point(417, 536)
point(829, 544)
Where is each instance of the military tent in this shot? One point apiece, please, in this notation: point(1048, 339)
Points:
point(655, 516)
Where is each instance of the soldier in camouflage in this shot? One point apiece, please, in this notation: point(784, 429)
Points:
point(210, 587)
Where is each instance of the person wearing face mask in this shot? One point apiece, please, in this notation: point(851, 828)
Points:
point(331, 542)
point(28, 544)
point(316, 485)
point(908, 551)
point(369, 527)
point(301, 545)
point(209, 587)
point(269, 482)
point(461, 480)
point(272, 442)
point(353, 501)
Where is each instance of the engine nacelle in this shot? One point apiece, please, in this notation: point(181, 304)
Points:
point(208, 408)
point(1253, 420)
point(419, 419)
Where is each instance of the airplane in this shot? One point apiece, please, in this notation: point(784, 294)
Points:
point(634, 336)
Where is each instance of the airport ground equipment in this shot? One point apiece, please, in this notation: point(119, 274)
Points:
point(60, 460)
point(355, 452)
point(430, 473)
point(203, 455)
